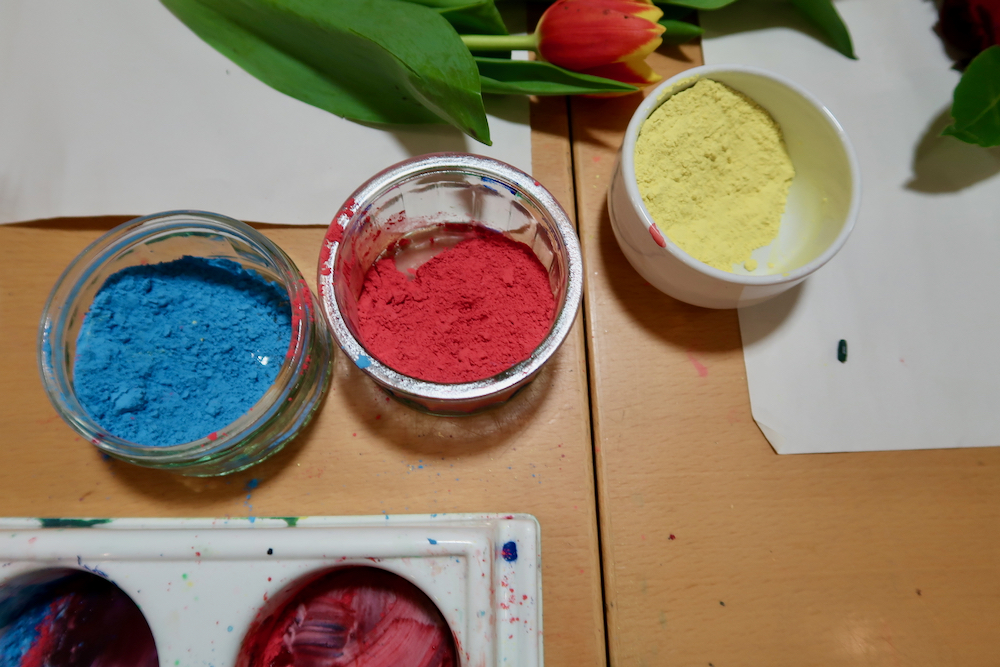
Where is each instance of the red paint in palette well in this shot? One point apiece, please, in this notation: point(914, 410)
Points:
point(351, 617)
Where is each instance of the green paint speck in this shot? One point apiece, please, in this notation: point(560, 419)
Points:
point(71, 523)
point(184, 576)
point(292, 521)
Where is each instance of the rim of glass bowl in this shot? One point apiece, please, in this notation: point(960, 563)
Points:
point(658, 96)
point(477, 165)
point(55, 372)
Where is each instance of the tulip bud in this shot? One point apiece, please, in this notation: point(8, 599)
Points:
point(606, 38)
point(970, 25)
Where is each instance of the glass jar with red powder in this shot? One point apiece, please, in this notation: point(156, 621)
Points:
point(450, 279)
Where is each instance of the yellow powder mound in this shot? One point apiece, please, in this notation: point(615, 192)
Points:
point(713, 171)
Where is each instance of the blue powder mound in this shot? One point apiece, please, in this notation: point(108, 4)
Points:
point(172, 352)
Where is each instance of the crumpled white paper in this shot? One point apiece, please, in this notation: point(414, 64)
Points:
point(113, 107)
point(916, 290)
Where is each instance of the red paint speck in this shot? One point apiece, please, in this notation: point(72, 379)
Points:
point(213, 435)
point(524, 597)
point(657, 235)
point(197, 553)
point(672, 536)
point(698, 366)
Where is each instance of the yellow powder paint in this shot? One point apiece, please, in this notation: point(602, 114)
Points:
point(714, 172)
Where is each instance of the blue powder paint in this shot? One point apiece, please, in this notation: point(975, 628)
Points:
point(432, 541)
point(509, 552)
point(363, 361)
point(253, 483)
point(173, 352)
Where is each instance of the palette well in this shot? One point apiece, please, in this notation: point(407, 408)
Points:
point(205, 585)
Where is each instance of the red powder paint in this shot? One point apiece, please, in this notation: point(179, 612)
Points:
point(467, 314)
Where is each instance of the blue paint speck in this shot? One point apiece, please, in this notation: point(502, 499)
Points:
point(509, 188)
point(509, 552)
point(252, 519)
point(432, 541)
point(253, 484)
point(482, 613)
point(364, 361)
point(230, 628)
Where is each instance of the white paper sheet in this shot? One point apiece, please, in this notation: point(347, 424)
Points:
point(113, 107)
point(916, 291)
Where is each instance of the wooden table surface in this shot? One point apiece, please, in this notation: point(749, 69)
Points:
point(715, 551)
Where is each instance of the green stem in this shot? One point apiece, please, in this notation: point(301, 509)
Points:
point(501, 42)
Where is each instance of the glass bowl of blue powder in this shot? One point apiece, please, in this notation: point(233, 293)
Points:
point(185, 341)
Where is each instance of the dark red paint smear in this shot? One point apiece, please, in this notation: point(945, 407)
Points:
point(352, 617)
point(90, 621)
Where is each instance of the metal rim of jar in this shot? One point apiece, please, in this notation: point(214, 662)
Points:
point(207, 452)
point(477, 165)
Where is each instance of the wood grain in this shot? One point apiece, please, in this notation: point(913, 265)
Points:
point(719, 552)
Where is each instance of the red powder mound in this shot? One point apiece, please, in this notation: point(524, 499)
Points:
point(467, 314)
point(355, 617)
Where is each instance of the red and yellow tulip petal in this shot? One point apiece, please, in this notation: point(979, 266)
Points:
point(580, 34)
point(636, 72)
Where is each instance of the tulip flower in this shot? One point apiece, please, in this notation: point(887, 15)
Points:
point(605, 38)
point(970, 25)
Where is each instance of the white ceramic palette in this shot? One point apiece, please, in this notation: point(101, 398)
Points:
point(200, 583)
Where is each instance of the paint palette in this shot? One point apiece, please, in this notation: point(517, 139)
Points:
point(204, 586)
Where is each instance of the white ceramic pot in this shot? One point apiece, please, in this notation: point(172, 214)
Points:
point(822, 205)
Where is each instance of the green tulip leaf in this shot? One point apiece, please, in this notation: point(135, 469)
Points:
point(535, 77)
point(474, 17)
point(372, 61)
point(697, 4)
point(976, 104)
point(678, 32)
point(675, 12)
point(824, 16)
